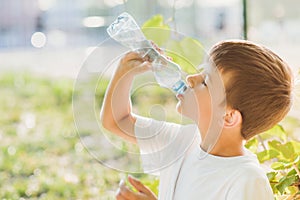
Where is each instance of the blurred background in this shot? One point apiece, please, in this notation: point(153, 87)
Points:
point(37, 32)
point(43, 44)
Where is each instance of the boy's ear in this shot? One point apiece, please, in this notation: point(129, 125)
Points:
point(232, 118)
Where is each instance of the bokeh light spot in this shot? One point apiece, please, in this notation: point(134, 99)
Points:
point(38, 39)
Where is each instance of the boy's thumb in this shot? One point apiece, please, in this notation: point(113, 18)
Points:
point(138, 185)
point(145, 66)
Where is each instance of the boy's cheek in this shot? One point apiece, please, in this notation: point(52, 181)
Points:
point(181, 108)
point(187, 110)
point(178, 108)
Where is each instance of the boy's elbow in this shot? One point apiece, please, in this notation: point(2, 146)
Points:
point(106, 122)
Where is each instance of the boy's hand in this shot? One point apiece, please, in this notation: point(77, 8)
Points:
point(132, 64)
point(144, 193)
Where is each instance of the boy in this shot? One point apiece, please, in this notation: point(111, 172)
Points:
point(257, 85)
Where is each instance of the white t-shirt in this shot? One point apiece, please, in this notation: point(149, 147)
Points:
point(173, 152)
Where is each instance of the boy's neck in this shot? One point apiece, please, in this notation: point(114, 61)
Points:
point(228, 145)
point(226, 151)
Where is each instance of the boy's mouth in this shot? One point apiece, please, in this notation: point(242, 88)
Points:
point(179, 96)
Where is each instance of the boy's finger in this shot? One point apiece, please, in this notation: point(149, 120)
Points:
point(157, 48)
point(132, 56)
point(160, 51)
point(170, 58)
point(140, 67)
point(126, 193)
point(138, 185)
point(145, 66)
point(119, 195)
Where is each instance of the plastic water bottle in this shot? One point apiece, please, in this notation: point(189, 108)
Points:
point(126, 31)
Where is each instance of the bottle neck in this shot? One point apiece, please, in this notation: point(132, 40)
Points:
point(179, 87)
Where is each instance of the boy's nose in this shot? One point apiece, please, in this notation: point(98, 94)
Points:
point(193, 80)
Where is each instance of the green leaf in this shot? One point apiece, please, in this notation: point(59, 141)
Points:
point(175, 51)
point(193, 51)
point(281, 165)
point(252, 144)
point(156, 30)
point(277, 165)
point(271, 176)
point(274, 144)
point(277, 131)
point(286, 150)
point(292, 172)
point(155, 21)
point(292, 190)
point(153, 185)
point(284, 182)
point(297, 159)
point(296, 146)
point(267, 155)
point(183, 57)
point(273, 186)
point(174, 48)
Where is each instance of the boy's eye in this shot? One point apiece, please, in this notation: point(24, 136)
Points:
point(204, 81)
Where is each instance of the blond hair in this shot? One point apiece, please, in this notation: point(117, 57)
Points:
point(260, 84)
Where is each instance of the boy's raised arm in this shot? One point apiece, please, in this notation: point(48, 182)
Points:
point(116, 114)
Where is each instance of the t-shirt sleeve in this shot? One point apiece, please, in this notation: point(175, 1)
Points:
point(253, 185)
point(161, 143)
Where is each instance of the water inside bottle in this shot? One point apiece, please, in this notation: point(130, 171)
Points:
point(165, 75)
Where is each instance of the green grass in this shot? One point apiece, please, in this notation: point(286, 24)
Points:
point(41, 156)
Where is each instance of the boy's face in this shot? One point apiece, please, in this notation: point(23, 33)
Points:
point(204, 100)
point(195, 102)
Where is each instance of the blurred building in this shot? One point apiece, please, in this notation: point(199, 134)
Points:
point(83, 22)
point(17, 22)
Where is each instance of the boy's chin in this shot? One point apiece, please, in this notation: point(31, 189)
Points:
point(184, 113)
point(179, 108)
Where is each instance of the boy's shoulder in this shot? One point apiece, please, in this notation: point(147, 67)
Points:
point(250, 168)
point(250, 182)
point(249, 174)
